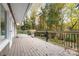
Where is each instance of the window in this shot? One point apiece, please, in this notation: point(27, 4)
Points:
point(2, 22)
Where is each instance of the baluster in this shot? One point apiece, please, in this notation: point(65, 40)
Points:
point(65, 39)
point(74, 41)
point(78, 43)
point(69, 39)
point(73, 34)
point(68, 42)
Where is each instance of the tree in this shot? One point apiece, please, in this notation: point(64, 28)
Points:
point(51, 15)
point(32, 18)
point(26, 24)
point(72, 13)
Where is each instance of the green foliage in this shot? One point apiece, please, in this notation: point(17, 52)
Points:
point(51, 14)
point(32, 18)
point(52, 17)
point(3, 27)
point(72, 13)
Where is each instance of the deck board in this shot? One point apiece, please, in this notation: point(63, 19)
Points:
point(27, 46)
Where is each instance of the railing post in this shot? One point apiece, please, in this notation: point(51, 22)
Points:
point(65, 40)
point(78, 44)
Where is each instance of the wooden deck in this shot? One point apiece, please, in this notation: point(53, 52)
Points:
point(27, 46)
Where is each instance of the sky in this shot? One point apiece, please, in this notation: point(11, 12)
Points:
point(35, 6)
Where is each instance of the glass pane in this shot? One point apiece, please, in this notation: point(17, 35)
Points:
point(2, 22)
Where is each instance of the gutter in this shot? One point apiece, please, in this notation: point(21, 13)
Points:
point(11, 12)
point(29, 5)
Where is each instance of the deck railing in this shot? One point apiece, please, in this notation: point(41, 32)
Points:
point(70, 39)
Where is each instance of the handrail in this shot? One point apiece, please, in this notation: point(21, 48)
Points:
point(60, 32)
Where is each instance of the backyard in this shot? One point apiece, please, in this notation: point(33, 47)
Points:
point(60, 20)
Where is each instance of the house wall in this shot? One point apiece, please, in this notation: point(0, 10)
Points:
point(0, 22)
point(10, 29)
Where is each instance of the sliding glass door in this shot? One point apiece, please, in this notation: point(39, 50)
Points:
point(2, 22)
